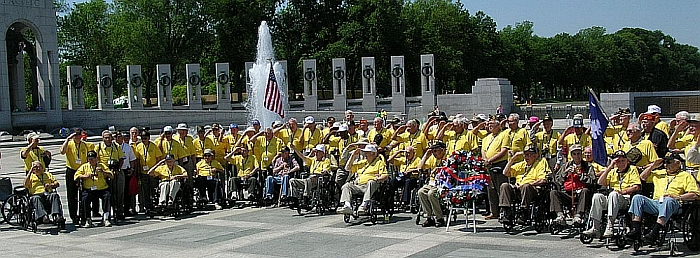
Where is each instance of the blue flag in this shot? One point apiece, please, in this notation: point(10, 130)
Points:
point(598, 125)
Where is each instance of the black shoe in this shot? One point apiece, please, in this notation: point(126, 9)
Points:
point(440, 223)
point(650, 238)
point(428, 223)
point(96, 214)
point(635, 233)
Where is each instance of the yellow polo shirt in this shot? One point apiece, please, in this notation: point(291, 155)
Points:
point(76, 154)
point(244, 166)
point(386, 133)
point(584, 140)
point(34, 155)
point(369, 171)
point(171, 147)
point(204, 168)
point(231, 140)
point(519, 138)
point(265, 151)
point(547, 141)
point(289, 137)
point(679, 184)
point(164, 173)
point(219, 148)
point(147, 155)
point(311, 138)
point(97, 179)
point(494, 144)
point(528, 175)
point(201, 145)
point(187, 144)
point(106, 153)
point(647, 149)
point(318, 166)
point(416, 140)
point(465, 141)
point(625, 181)
point(37, 182)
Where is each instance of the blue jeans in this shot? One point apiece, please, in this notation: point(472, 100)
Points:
point(664, 210)
point(271, 181)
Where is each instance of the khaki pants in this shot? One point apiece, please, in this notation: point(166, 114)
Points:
point(349, 189)
point(614, 203)
point(428, 196)
point(306, 185)
point(168, 191)
point(527, 194)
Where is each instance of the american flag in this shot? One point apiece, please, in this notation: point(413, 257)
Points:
point(273, 99)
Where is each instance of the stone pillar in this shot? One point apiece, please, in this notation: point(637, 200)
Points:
point(248, 66)
point(398, 85)
point(105, 84)
point(223, 87)
point(492, 92)
point(427, 83)
point(310, 85)
point(165, 88)
point(282, 81)
point(76, 90)
point(340, 99)
point(19, 94)
point(369, 86)
point(134, 86)
point(194, 87)
point(5, 108)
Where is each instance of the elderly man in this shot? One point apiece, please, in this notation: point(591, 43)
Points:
point(575, 134)
point(169, 174)
point(189, 159)
point(219, 145)
point(369, 173)
point(290, 134)
point(337, 139)
point(111, 154)
point(519, 137)
point(310, 135)
point(643, 147)
point(283, 165)
point(456, 136)
point(118, 185)
point(33, 152)
point(411, 135)
point(41, 186)
point(428, 194)
point(148, 155)
point(247, 167)
point(407, 176)
point(671, 185)
point(495, 153)
point(655, 112)
point(615, 137)
point(94, 175)
point(265, 148)
point(588, 157)
point(380, 130)
point(318, 164)
point(529, 173)
point(649, 132)
point(349, 116)
point(546, 140)
point(76, 155)
point(168, 145)
point(209, 172)
point(623, 180)
point(201, 143)
point(573, 181)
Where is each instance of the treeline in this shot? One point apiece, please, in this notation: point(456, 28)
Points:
point(467, 45)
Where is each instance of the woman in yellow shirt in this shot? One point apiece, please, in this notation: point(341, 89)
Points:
point(41, 186)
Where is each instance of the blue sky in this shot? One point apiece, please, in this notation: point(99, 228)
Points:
point(678, 18)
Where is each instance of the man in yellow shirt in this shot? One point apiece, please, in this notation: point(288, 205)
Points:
point(189, 153)
point(219, 145)
point(209, 172)
point(547, 140)
point(201, 143)
point(318, 164)
point(265, 147)
point(379, 129)
point(519, 137)
point(645, 147)
point(233, 138)
point(94, 175)
point(370, 172)
point(75, 151)
point(428, 194)
point(310, 135)
point(529, 173)
point(290, 134)
point(494, 150)
point(623, 179)
point(169, 174)
point(671, 185)
point(148, 155)
point(456, 136)
point(575, 134)
point(588, 157)
point(408, 172)
point(411, 135)
point(33, 152)
point(615, 137)
point(168, 145)
point(41, 186)
point(246, 166)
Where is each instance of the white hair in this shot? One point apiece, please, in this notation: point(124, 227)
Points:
point(683, 115)
point(514, 116)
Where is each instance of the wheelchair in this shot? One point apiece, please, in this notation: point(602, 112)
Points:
point(201, 200)
point(621, 223)
point(535, 215)
point(686, 222)
point(375, 206)
point(182, 203)
point(396, 200)
point(18, 211)
point(571, 228)
point(322, 198)
point(238, 196)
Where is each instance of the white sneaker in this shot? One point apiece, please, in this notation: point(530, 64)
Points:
point(346, 210)
point(107, 223)
point(218, 206)
point(560, 220)
point(578, 220)
point(608, 232)
point(592, 232)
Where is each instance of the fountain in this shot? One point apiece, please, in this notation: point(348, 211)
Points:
point(259, 75)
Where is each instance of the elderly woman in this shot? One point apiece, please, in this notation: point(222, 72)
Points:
point(41, 186)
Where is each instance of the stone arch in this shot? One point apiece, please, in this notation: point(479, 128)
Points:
point(24, 40)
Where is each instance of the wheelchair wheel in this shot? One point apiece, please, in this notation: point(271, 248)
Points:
point(620, 242)
point(690, 226)
point(373, 218)
point(585, 239)
point(346, 218)
point(672, 248)
point(637, 245)
point(12, 210)
point(508, 226)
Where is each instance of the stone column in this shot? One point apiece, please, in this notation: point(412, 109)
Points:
point(194, 88)
point(134, 86)
point(5, 108)
point(282, 81)
point(105, 85)
point(492, 92)
point(427, 83)
point(19, 94)
point(165, 88)
point(340, 99)
point(310, 85)
point(223, 88)
point(76, 90)
point(398, 85)
point(369, 86)
point(248, 66)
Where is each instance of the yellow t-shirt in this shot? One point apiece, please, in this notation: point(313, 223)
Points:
point(37, 182)
point(34, 155)
point(683, 140)
point(647, 149)
point(201, 145)
point(106, 153)
point(518, 140)
point(679, 184)
point(406, 166)
point(187, 144)
point(76, 154)
point(494, 144)
point(147, 155)
point(164, 173)
point(528, 175)
point(171, 147)
point(244, 166)
point(337, 143)
point(316, 166)
point(289, 137)
point(416, 140)
point(663, 126)
point(204, 168)
point(386, 133)
point(311, 138)
point(369, 171)
point(265, 151)
point(547, 141)
point(219, 148)
point(625, 181)
point(584, 140)
point(597, 168)
point(465, 141)
point(97, 179)
point(615, 138)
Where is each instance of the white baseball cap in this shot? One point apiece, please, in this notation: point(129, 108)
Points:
point(653, 109)
point(370, 148)
point(483, 117)
point(309, 120)
point(343, 128)
point(181, 126)
point(249, 129)
point(168, 129)
point(336, 125)
point(321, 148)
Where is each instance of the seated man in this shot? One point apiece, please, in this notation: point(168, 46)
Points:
point(573, 179)
point(41, 186)
point(283, 165)
point(370, 172)
point(94, 175)
point(624, 181)
point(428, 194)
point(529, 174)
point(671, 185)
point(247, 167)
point(407, 176)
point(169, 174)
point(208, 172)
point(319, 165)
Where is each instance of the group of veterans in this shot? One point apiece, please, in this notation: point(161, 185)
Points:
point(651, 167)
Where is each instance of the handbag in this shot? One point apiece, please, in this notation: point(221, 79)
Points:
point(133, 186)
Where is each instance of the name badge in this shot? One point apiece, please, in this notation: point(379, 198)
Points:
point(661, 199)
point(78, 161)
point(210, 178)
point(185, 159)
point(145, 168)
point(94, 187)
point(266, 158)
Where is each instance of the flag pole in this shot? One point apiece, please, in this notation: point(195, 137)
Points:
point(598, 101)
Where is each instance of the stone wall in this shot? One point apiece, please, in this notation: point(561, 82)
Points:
point(612, 101)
